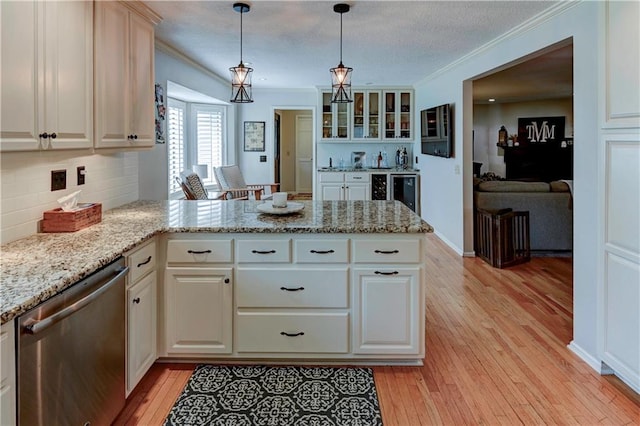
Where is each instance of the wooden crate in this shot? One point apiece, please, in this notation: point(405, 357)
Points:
point(502, 237)
point(57, 220)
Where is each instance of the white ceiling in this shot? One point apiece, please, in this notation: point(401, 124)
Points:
point(292, 44)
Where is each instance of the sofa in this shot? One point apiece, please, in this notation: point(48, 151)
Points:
point(549, 206)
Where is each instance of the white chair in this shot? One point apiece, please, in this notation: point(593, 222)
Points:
point(233, 185)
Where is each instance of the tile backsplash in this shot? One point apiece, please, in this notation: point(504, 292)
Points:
point(25, 178)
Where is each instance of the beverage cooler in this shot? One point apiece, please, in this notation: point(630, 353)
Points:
point(402, 187)
point(405, 188)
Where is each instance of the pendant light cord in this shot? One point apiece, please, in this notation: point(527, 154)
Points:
point(341, 37)
point(241, 13)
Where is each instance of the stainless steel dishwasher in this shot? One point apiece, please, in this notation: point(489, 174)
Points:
point(71, 353)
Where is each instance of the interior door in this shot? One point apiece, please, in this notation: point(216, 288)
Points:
point(304, 153)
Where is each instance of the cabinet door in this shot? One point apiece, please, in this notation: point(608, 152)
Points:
point(332, 191)
point(398, 109)
point(7, 374)
point(199, 310)
point(142, 117)
point(141, 327)
point(366, 111)
point(335, 118)
point(68, 77)
point(357, 191)
point(19, 106)
point(386, 309)
point(112, 65)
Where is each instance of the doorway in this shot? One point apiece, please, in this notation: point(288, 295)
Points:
point(293, 150)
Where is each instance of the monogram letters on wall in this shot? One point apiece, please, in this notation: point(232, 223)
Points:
point(541, 130)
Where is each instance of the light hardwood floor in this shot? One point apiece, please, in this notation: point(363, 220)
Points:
point(495, 355)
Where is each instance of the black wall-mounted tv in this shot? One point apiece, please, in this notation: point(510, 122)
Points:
point(436, 131)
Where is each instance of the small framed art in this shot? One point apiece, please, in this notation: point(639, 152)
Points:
point(254, 135)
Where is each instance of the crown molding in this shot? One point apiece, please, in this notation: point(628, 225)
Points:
point(142, 9)
point(170, 50)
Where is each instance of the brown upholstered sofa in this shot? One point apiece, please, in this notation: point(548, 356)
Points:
point(549, 206)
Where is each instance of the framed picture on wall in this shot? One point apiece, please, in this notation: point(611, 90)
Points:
point(254, 135)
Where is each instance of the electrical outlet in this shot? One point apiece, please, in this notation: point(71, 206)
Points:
point(263, 158)
point(58, 180)
point(80, 174)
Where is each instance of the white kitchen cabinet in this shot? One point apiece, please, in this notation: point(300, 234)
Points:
point(7, 374)
point(142, 329)
point(198, 310)
point(46, 88)
point(386, 307)
point(124, 90)
point(398, 114)
point(366, 115)
point(141, 312)
point(335, 118)
point(336, 186)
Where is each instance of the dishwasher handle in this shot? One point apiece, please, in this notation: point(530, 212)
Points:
point(47, 322)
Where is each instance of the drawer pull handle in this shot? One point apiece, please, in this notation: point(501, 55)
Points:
point(386, 273)
point(386, 251)
point(291, 289)
point(145, 262)
point(263, 251)
point(136, 300)
point(284, 333)
point(322, 251)
point(198, 251)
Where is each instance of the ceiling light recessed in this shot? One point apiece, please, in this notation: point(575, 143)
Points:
point(492, 100)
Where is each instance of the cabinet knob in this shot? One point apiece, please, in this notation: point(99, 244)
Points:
point(136, 300)
point(135, 136)
point(44, 135)
point(227, 280)
point(53, 135)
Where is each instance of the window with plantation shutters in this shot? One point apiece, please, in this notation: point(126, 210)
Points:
point(209, 137)
point(176, 143)
point(196, 136)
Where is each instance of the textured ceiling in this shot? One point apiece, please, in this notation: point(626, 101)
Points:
point(292, 44)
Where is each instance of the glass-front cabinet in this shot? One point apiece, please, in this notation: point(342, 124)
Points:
point(335, 118)
point(366, 114)
point(398, 107)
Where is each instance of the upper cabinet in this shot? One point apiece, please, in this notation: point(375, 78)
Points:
point(366, 114)
point(46, 86)
point(375, 115)
point(335, 118)
point(124, 89)
point(398, 118)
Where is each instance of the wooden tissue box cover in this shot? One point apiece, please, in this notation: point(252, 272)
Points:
point(57, 220)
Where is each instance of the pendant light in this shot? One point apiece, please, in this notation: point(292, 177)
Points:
point(241, 75)
point(341, 75)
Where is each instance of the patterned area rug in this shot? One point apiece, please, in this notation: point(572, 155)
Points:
point(277, 396)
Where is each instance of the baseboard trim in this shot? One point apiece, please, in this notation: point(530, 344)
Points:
point(593, 362)
point(449, 243)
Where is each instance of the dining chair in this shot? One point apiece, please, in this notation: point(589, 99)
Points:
point(233, 185)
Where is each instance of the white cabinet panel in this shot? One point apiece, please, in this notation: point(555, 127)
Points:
point(386, 311)
point(386, 251)
point(7, 374)
point(141, 262)
point(142, 329)
point(198, 310)
point(321, 251)
point(47, 75)
point(200, 251)
point(264, 251)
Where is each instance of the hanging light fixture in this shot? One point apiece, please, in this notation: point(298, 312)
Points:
point(241, 75)
point(341, 75)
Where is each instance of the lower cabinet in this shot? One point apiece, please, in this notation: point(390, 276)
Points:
point(142, 330)
point(198, 310)
point(7, 374)
point(386, 306)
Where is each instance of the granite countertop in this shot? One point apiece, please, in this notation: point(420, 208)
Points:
point(36, 268)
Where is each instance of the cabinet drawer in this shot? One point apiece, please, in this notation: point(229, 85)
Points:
point(291, 288)
point(263, 251)
point(357, 177)
point(321, 251)
point(141, 261)
point(199, 251)
point(293, 332)
point(331, 177)
point(386, 251)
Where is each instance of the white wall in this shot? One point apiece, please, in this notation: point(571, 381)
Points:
point(111, 179)
point(487, 119)
point(446, 195)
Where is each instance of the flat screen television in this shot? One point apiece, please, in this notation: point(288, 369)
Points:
point(436, 136)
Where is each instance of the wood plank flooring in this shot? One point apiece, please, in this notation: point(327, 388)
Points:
point(496, 355)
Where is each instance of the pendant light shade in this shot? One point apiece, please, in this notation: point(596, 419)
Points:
point(241, 75)
point(341, 75)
